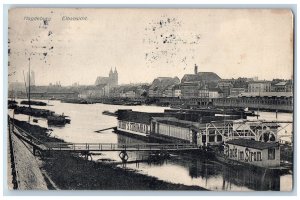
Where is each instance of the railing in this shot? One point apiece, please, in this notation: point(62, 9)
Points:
point(104, 146)
point(118, 147)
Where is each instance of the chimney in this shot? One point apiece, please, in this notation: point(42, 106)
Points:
point(196, 69)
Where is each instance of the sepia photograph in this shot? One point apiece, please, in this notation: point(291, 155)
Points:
point(150, 99)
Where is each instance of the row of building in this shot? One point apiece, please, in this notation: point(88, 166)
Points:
point(197, 85)
point(210, 85)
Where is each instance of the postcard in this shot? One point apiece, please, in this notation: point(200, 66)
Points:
point(150, 99)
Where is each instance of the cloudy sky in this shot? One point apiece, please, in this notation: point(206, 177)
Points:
point(146, 43)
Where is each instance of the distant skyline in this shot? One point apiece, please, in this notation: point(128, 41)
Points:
point(147, 43)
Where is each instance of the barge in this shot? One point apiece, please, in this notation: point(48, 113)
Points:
point(35, 103)
point(52, 118)
point(75, 101)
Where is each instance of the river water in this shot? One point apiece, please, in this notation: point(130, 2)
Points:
point(183, 169)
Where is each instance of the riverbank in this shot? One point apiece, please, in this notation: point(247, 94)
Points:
point(71, 172)
point(27, 172)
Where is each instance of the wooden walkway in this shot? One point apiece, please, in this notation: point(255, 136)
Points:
point(119, 147)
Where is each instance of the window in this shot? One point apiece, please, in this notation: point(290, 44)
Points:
point(258, 156)
point(241, 155)
point(271, 154)
point(219, 138)
point(211, 138)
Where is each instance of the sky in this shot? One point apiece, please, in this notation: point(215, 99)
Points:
point(143, 44)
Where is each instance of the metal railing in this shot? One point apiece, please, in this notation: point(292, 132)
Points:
point(119, 147)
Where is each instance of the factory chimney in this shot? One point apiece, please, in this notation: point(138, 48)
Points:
point(196, 69)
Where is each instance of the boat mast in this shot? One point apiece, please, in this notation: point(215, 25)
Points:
point(29, 84)
point(25, 84)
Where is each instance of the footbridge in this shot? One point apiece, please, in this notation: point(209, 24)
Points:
point(86, 149)
point(119, 147)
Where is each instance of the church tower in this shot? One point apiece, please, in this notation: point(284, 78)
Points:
point(116, 77)
point(111, 74)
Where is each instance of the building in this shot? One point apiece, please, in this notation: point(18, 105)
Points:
point(197, 85)
point(259, 86)
point(177, 91)
point(204, 77)
point(190, 89)
point(233, 87)
point(94, 91)
point(162, 86)
point(130, 91)
point(128, 94)
point(169, 92)
point(137, 123)
point(225, 87)
point(234, 92)
point(173, 128)
point(283, 86)
point(252, 152)
point(215, 93)
point(203, 93)
point(111, 80)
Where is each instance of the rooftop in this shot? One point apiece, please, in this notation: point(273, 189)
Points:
point(176, 122)
point(201, 76)
point(184, 123)
point(281, 83)
point(253, 144)
point(137, 117)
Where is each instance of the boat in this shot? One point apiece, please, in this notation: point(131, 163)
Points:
point(75, 101)
point(33, 111)
point(12, 104)
point(58, 120)
point(35, 103)
point(106, 112)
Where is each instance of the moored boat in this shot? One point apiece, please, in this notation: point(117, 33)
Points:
point(106, 112)
point(35, 103)
point(75, 101)
point(58, 120)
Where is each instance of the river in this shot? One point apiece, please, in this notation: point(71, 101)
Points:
point(183, 169)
